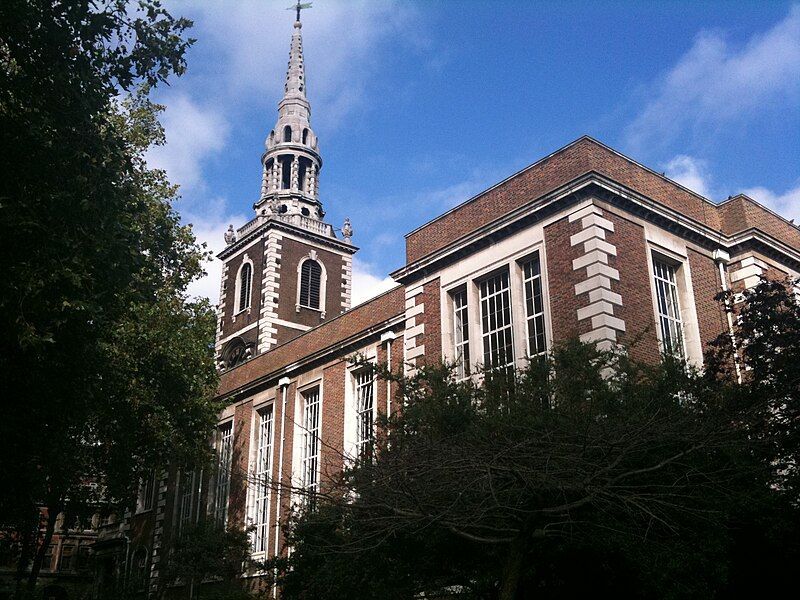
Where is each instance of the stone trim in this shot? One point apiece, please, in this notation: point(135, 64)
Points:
point(270, 292)
point(347, 282)
point(749, 272)
point(221, 310)
point(411, 349)
point(158, 534)
point(600, 310)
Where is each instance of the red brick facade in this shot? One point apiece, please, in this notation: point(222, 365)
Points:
point(596, 245)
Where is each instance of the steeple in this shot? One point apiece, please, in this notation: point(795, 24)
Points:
point(286, 270)
point(291, 162)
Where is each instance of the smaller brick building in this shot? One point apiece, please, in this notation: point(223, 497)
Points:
point(585, 242)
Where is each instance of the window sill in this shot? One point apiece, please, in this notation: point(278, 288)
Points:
point(321, 311)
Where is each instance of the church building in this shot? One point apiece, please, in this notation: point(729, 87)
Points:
point(584, 243)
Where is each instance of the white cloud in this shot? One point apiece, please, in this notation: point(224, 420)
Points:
point(690, 172)
point(342, 46)
point(210, 228)
point(787, 204)
point(194, 134)
point(239, 64)
point(366, 284)
point(714, 83)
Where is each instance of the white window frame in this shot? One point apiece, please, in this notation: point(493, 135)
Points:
point(323, 284)
point(237, 296)
point(311, 438)
point(532, 318)
point(461, 332)
point(222, 480)
point(666, 296)
point(261, 486)
point(364, 383)
point(144, 500)
point(185, 499)
point(469, 280)
point(490, 333)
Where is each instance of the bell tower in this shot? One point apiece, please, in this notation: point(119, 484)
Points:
point(291, 162)
point(286, 270)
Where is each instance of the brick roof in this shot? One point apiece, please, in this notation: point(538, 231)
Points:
point(579, 158)
point(340, 329)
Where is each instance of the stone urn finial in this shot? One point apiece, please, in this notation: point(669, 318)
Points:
point(347, 231)
point(230, 235)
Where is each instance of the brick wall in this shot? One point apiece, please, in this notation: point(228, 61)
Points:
point(635, 288)
point(291, 255)
point(562, 279)
point(240, 463)
point(333, 408)
point(432, 318)
point(231, 321)
point(711, 319)
point(581, 157)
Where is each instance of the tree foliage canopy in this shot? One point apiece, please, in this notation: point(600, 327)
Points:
point(106, 362)
point(585, 473)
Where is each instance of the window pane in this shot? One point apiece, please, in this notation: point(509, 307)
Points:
point(365, 415)
point(534, 306)
point(495, 296)
point(669, 314)
point(261, 498)
point(311, 423)
point(224, 457)
point(461, 333)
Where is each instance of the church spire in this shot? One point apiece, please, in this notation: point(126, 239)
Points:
point(295, 74)
point(290, 182)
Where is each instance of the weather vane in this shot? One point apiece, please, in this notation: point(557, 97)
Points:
point(300, 6)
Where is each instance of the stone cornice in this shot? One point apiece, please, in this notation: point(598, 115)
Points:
point(607, 190)
point(236, 246)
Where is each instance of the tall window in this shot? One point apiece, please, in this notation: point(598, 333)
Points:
point(534, 306)
point(287, 134)
point(364, 406)
point(187, 484)
point(146, 489)
point(498, 345)
point(310, 282)
point(311, 442)
point(245, 285)
point(262, 473)
point(461, 333)
point(223, 484)
point(669, 313)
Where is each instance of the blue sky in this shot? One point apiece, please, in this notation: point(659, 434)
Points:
point(420, 105)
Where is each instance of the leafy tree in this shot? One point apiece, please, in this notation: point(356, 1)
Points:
point(511, 487)
point(766, 346)
point(208, 553)
point(106, 363)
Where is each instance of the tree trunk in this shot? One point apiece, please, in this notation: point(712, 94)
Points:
point(512, 570)
point(26, 543)
point(52, 516)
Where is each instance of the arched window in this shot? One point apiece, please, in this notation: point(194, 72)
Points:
point(305, 136)
point(302, 168)
point(310, 282)
point(245, 284)
point(286, 171)
point(287, 134)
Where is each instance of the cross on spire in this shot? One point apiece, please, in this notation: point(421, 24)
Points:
point(300, 6)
